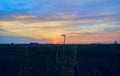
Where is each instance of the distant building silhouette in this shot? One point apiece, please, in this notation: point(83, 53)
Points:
point(12, 43)
point(115, 42)
point(34, 43)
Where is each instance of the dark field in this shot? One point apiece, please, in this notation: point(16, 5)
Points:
point(60, 60)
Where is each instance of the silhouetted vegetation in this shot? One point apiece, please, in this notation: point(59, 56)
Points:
point(47, 60)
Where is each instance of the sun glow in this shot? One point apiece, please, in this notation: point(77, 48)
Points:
point(56, 40)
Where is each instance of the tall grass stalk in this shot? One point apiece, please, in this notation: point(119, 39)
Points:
point(64, 39)
point(74, 61)
point(94, 72)
point(27, 62)
point(63, 56)
point(47, 65)
point(20, 73)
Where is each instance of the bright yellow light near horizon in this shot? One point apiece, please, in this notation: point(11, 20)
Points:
point(56, 41)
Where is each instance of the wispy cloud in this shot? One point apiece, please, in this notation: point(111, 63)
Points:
point(24, 17)
point(2, 29)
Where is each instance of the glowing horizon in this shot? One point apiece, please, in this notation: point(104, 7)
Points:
point(43, 21)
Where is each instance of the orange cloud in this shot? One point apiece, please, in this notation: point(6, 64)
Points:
point(52, 27)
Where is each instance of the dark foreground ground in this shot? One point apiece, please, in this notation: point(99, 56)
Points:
point(60, 60)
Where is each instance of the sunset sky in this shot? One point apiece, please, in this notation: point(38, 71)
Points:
point(44, 21)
